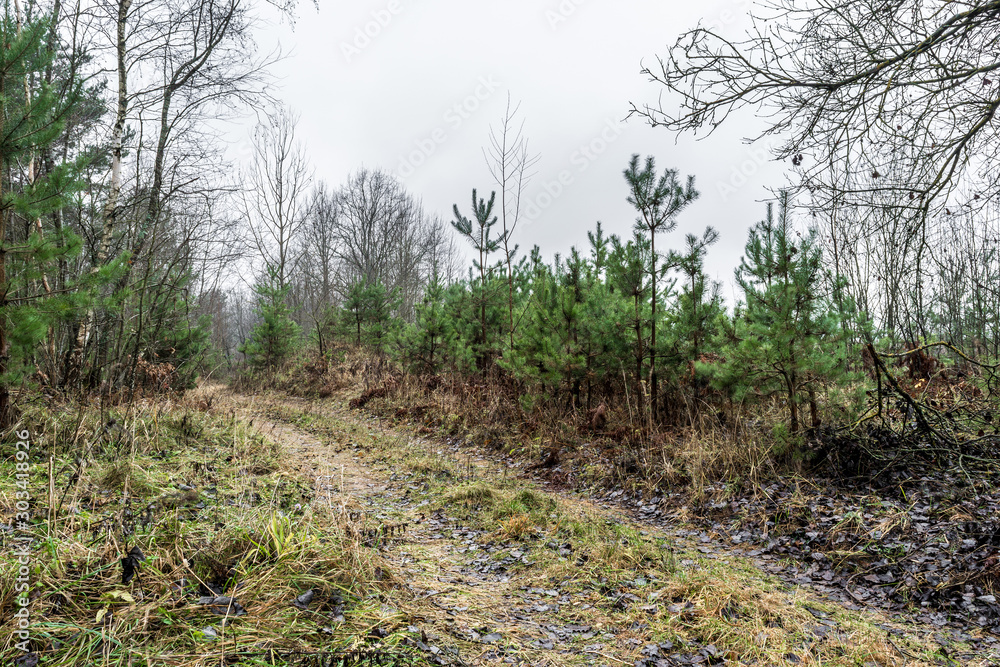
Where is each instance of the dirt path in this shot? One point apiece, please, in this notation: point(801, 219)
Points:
point(477, 592)
point(437, 557)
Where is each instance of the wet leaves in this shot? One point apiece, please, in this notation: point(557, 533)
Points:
point(666, 654)
point(222, 605)
point(901, 549)
point(302, 601)
point(26, 660)
point(130, 564)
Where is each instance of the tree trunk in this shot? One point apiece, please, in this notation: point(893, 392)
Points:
point(793, 408)
point(482, 302)
point(111, 205)
point(640, 353)
point(6, 410)
point(813, 408)
point(653, 404)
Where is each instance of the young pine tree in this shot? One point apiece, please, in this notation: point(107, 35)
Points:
point(658, 200)
point(33, 113)
point(381, 306)
point(426, 341)
point(368, 313)
point(355, 310)
point(627, 276)
point(171, 335)
point(276, 335)
point(785, 338)
point(479, 234)
point(696, 313)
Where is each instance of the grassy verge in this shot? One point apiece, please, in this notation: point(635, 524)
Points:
point(223, 536)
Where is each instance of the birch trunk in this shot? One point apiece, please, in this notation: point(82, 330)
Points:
point(110, 212)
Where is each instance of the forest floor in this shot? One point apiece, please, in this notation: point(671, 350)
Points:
point(277, 530)
point(500, 567)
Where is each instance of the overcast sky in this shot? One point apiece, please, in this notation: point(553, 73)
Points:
point(412, 87)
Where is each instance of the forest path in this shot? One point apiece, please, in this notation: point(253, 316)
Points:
point(430, 554)
point(487, 577)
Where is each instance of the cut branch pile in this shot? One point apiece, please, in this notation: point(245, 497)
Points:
point(938, 415)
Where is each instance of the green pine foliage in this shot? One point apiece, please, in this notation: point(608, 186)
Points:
point(694, 319)
point(368, 315)
point(548, 351)
point(585, 325)
point(785, 338)
point(325, 331)
point(33, 115)
point(426, 343)
point(276, 335)
point(627, 264)
point(174, 336)
point(487, 289)
point(658, 201)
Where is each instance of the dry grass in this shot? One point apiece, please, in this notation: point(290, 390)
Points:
point(243, 528)
point(622, 577)
point(267, 518)
point(682, 596)
point(709, 445)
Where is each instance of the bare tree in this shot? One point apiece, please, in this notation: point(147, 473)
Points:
point(121, 51)
point(900, 91)
point(179, 68)
point(886, 106)
point(380, 235)
point(964, 280)
point(313, 290)
point(111, 209)
point(368, 231)
point(408, 261)
point(320, 241)
point(511, 166)
point(273, 201)
point(444, 260)
point(207, 69)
